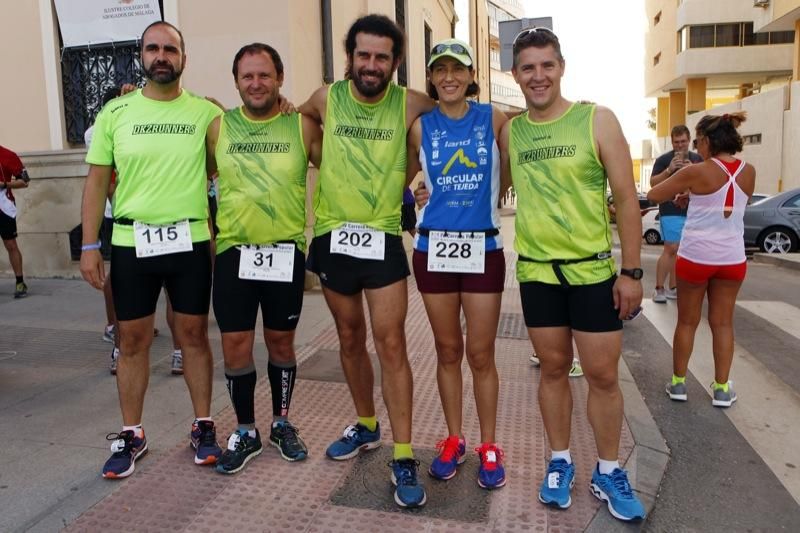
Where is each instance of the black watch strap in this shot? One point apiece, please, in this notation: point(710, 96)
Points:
point(635, 273)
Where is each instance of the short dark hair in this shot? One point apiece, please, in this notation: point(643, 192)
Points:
point(379, 25)
point(679, 130)
point(165, 23)
point(473, 90)
point(537, 38)
point(257, 48)
point(720, 130)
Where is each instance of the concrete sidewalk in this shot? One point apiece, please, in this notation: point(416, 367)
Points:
point(58, 402)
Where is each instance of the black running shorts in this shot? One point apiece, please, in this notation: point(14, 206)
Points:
point(580, 307)
point(349, 275)
point(8, 226)
point(136, 282)
point(236, 301)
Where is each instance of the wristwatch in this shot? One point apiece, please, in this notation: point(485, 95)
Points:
point(635, 273)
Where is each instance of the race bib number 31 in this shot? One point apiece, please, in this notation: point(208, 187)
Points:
point(267, 263)
point(456, 252)
point(152, 240)
point(358, 240)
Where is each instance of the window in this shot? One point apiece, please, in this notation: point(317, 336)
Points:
point(427, 43)
point(400, 19)
point(751, 38)
point(657, 59)
point(781, 37)
point(727, 34)
point(752, 139)
point(794, 202)
point(701, 36)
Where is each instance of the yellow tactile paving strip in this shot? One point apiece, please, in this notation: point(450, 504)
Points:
point(172, 494)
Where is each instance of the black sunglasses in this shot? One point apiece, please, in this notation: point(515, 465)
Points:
point(454, 47)
point(525, 33)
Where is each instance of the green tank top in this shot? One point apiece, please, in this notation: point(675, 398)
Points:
point(262, 180)
point(363, 169)
point(560, 185)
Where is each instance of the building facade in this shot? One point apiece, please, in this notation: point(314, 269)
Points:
point(706, 55)
point(38, 110)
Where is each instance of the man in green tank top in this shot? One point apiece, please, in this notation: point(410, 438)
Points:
point(262, 159)
point(561, 156)
point(357, 242)
point(155, 139)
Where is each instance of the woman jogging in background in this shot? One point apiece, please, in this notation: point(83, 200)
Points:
point(711, 257)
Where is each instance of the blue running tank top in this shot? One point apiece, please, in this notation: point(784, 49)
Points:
point(461, 164)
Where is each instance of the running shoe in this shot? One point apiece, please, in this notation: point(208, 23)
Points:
point(284, 437)
point(535, 360)
point(555, 489)
point(659, 296)
point(177, 363)
point(615, 490)
point(109, 334)
point(677, 391)
point(203, 439)
point(575, 370)
point(354, 439)
point(408, 491)
point(452, 452)
point(20, 290)
point(241, 448)
point(114, 358)
point(491, 473)
point(671, 294)
point(721, 397)
point(126, 448)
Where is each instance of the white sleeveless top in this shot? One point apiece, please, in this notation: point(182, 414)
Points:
point(708, 237)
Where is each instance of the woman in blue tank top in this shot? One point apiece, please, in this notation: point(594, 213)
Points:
point(458, 252)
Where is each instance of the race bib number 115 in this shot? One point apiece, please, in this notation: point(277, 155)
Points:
point(152, 240)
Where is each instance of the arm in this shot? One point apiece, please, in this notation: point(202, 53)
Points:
point(413, 143)
point(312, 137)
point(417, 103)
point(95, 191)
point(616, 158)
point(314, 108)
point(675, 184)
point(20, 181)
point(19, 175)
point(503, 133)
point(212, 136)
point(675, 165)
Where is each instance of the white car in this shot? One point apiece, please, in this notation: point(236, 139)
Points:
point(651, 227)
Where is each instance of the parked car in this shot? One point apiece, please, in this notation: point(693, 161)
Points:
point(757, 197)
point(651, 226)
point(773, 224)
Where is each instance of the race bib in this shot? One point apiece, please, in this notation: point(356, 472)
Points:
point(358, 240)
point(267, 263)
point(456, 252)
point(152, 239)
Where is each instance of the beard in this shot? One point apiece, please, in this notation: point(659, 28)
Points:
point(260, 109)
point(163, 77)
point(367, 89)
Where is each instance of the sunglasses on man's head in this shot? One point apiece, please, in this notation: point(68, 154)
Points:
point(525, 33)
point(454, 47)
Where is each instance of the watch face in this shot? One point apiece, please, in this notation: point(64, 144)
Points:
point(635, 273)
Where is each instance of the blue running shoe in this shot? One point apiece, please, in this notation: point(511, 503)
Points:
point(354, 439)
point(452, 452)
point(491, 474)
point(126, 448)
point(203, 439)
point(557, 483)
point(408, 491)
point(615, 490)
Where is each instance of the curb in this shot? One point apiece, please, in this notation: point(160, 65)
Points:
point(787, 261)
point(647, 462)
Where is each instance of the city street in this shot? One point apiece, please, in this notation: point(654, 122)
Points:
point(727, 470)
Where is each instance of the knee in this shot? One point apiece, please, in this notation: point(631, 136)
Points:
point(481, 360)
point(552, 371)
point(449, 353)
point(281, 351)
point(193, 334)
point(11, 245)
point(351, 339)
point(720, 322)
point(604, 380)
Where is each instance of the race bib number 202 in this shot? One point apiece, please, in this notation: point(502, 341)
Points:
point(358, 240)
